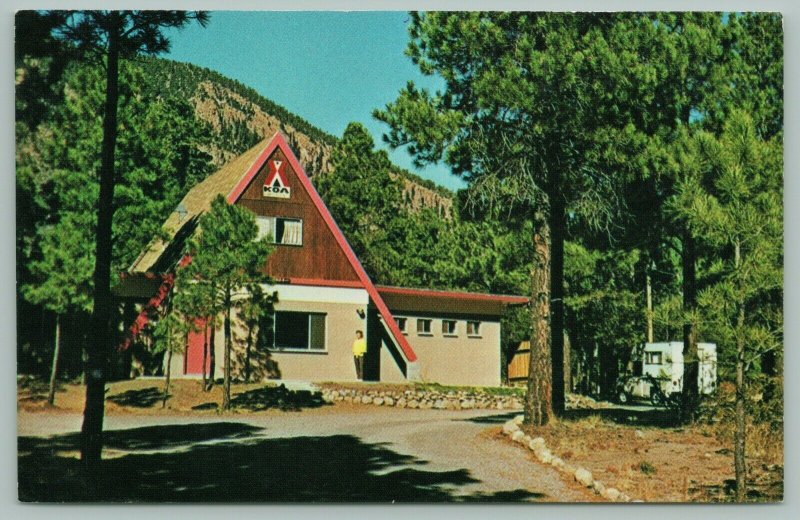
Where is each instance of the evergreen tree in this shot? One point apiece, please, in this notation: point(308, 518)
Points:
point(365, 199)
point(62, 275)
point(255, 312)
point(170, 337)
point(540, 112)
point(732, 199)
point(155, 165)
point(110, 36)
point(227, 275)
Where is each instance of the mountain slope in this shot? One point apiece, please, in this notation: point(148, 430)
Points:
point(239, 117)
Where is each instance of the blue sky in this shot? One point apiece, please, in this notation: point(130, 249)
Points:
point(328, 67)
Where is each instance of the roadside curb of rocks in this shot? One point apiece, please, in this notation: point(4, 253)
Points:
point(581, 475)
point(422, 399)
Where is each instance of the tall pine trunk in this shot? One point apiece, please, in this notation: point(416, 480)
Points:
point(557, 224)
point(691, 397)
point(212, 347)
point(166, 383)
point(538, 401)
point(226, 387)
point(649, 290)
point(205, 353)
point(98, 350)
point(247, 355)
point(740, 434)
point(51, 395)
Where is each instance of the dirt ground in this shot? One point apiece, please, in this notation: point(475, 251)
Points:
point(186, 397)
point(656, 462)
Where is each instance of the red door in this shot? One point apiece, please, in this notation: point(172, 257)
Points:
point(195, 343)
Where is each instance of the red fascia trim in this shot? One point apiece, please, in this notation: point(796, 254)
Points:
point(144, 317)
point(319, 282)
point(406, 291)
point(149, 275)
point(278, 140)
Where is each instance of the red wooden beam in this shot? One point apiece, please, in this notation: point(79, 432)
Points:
point(152, 306)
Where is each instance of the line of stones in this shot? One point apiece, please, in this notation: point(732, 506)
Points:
point(581, 475)
point(423, 399)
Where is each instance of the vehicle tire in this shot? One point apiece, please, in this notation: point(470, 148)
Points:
point(656, 399)
point(622, 397)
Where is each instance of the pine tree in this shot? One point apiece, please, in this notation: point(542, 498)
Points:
point(365, 199)
point(225, 277)
point(539, 115)
point(110, 36)
point(732, 199)
point(170, 337)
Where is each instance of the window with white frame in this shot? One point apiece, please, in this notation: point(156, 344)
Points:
point(424, 327)
point(653, 358)
point(474, 329)
point(299, 331)
point(285, 231)
point(449, 327)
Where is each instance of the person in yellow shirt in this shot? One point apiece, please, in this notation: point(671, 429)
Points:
point(359, 349)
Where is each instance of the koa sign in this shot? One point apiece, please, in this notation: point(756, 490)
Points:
point(275, 185)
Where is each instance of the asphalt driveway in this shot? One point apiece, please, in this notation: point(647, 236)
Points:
point(336, 454)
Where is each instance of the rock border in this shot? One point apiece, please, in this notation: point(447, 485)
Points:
point(581, 475)
point(422, 399)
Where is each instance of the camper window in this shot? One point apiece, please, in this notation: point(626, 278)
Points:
point(652, 358)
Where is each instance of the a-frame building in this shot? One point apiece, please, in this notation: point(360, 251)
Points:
point(324, 294)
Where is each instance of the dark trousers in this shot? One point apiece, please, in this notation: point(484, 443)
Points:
point(359, 360)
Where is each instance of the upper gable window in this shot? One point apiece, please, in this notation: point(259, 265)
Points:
point(286, 231)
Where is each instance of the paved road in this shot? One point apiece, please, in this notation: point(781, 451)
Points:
point(342, 453)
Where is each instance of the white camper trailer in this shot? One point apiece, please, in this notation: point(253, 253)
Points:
point(664, 361)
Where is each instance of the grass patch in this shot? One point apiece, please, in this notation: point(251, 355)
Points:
point(505, 391)
point(647, 468)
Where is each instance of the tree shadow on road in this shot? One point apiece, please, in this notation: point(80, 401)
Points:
point(144, 398)
point(642, 416)
point(230, 462)
point(498, 418)
point(278, 397)
point(271, 397)
point(658, 417)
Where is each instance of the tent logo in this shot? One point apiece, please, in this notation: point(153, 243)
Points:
point(276, 185)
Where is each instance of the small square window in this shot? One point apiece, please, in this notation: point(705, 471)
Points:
point(473, 328)
point(401, 324)
point(424, 327)
point(653, 358)
point(449, 327)
point(285, 231)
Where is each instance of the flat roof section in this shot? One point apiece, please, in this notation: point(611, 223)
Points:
point(404, 299)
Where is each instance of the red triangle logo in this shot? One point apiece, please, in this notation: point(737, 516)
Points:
point(275, 184)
